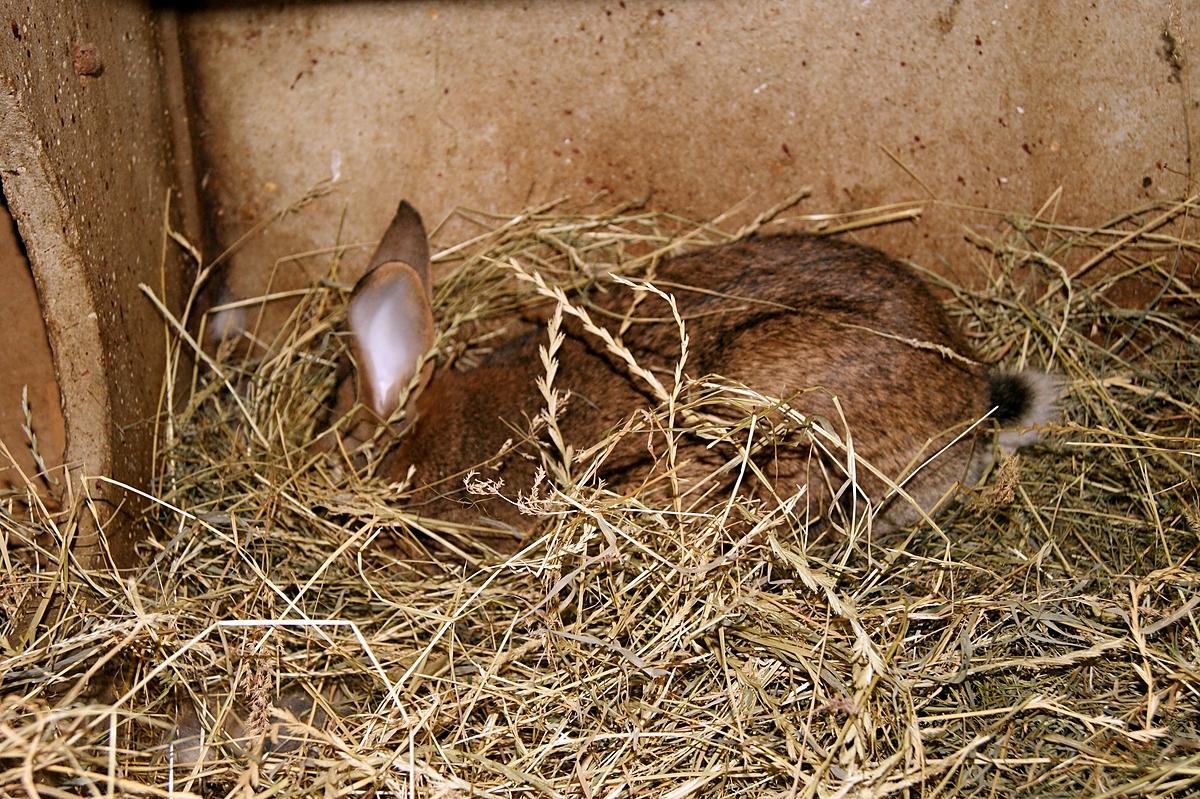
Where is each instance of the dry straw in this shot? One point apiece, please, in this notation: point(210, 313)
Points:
point(296, 631)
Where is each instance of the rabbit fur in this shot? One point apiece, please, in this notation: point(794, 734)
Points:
point(839, 331)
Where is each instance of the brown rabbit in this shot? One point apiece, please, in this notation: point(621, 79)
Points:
point(838, 331)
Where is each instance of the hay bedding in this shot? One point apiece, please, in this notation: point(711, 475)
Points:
point(1040, 639)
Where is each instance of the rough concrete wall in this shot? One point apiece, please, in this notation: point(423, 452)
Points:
point(85, 164)
point(497, 105)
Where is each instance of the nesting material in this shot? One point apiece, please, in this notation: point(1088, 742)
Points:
point(296, 630)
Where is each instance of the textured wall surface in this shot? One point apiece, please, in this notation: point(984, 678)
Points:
point(703, 105)
point(85, 161)
point(26, 366)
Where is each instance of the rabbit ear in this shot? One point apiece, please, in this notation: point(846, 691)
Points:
point(391, 327)
point(405, 241)
point(391, 324)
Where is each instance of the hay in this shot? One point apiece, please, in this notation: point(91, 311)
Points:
point(1040, 639)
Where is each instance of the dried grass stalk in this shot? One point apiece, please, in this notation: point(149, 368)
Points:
point(1041, 639)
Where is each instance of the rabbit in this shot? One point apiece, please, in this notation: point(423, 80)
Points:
point(839, 331)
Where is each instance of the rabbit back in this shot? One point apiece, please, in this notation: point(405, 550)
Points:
point(795, 317)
